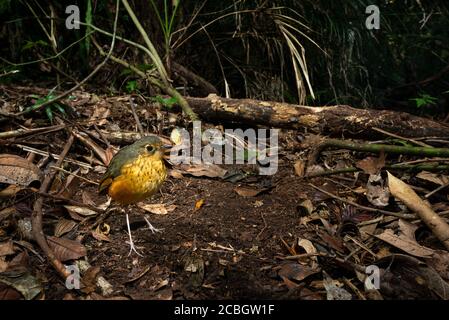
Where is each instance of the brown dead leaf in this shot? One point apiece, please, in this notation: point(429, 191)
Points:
point(314, 169)
point(440, 262)
point(404, 243)
point(407, 229)
point(377, 192)
point(176, 174)
point(66, 249)
point(372, 165)
point(305, 208)
point(87, 198)
point(158, 208)
point(82, 211)
point(101, 232)
point(295, 271)
point(248, 192)
point(164, 294)
point(7, 212)
point(200, 170)
point(8, 293)
point(307, 294)
point(409, 278)
point(100, 236)
point(299, 166)
point(432, 177)
point(309, 248)
point(195, 266)
point(333, 241)
point(3, 265)
point(101, 113)
point(89, 279)
point(290, 284)
point(109, 154)
point(10, 191)
point(70, 184)
point(17, 170)
point(64, 226)
point(311, 141)
point(75, 216)
point(21, 260)
point(6, 248)
point(105, 205)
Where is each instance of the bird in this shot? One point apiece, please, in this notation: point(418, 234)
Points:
point(136, 172)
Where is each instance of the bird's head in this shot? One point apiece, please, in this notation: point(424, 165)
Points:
point(152, 146)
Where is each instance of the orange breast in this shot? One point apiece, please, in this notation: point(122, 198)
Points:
point(137, 181)
point(124, 191)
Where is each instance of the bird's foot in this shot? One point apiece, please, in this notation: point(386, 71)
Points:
point(131, 242)
point(150, 226)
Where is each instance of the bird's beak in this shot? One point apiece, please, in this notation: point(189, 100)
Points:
point(166, 148)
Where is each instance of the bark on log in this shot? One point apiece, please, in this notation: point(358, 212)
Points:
point(333, 120)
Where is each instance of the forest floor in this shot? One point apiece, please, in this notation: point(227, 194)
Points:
point(261, 237)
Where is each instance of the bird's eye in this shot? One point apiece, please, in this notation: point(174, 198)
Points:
point(149, 148)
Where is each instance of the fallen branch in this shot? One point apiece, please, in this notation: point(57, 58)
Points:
point(36, 217)
point(26, 132)
point(404, 193)
point(376, 148)
point(335, 120)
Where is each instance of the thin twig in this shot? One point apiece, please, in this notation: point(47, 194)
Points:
point(71, 201)
point(431, 193)
point(389, 213)
point(362, 245)
point(422, 144)
point(53, 155)
point(136, 117)
point(264, 227)
point(302, 255)
point(354, 288)
point(75, 175)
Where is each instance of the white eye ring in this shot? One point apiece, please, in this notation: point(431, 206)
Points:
point(149, 148)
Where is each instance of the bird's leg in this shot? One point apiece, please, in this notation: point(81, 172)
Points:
point(131, 243)
point(152, 229)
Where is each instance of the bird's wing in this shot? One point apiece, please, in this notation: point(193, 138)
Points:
point(125, 156)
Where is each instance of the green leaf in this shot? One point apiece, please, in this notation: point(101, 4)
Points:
point(49, 113)
point(131, 86)
point(145, 66)
point(33, 44)
point(60, 108)
point(425, 100)
point(126, 72)
point(166, 102)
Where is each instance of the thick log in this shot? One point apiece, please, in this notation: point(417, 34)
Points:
point(333, 120)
